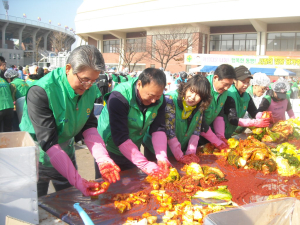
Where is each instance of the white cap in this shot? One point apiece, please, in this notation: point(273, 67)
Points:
point(32, 69)
point(260, 79)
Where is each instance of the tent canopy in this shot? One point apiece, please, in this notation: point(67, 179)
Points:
point(204, 68)
point(272, 71)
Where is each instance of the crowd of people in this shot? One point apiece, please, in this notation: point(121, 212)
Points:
point(60, 106)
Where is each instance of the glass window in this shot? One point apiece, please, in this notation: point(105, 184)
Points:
point(136, 44)
point(283, 41)
point(111, 46)
point(233, 42)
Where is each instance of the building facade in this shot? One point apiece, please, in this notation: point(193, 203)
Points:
point(225, 27)
point(32, 37)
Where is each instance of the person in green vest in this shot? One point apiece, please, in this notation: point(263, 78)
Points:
point(19, 90)
point(294, 89)
point(184, 111)
point(213, 123)
point(18, 86)
point(58, 107)
point(257, 90)
point(132, 108)
point(239, 102)
point(38, 74)
point(6, 100)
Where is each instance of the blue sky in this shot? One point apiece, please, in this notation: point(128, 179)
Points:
point(58, 11)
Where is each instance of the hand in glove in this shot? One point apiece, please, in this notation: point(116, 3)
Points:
point(63, 164)
point(131, 152)
point(108, 169)
point(175, 147)
point(210, 136)
point(254, 122)
point(159, 142)
point(192, 145)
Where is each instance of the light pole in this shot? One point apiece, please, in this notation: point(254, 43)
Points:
point(6, 7)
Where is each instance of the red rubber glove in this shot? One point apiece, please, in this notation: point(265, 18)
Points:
point(63, 164)
point(219, 127)
point(108, 169)
point(254, 122)
point(159, 142)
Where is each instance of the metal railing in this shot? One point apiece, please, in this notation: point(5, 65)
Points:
point(34, 22)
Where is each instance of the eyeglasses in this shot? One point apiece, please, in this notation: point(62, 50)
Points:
point(86, 84)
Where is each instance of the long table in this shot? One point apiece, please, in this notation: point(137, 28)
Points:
point(102, 210)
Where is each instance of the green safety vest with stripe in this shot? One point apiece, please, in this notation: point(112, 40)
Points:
point(216, 104)
point(241, 105)
point(6, 100)
point(137, 124)
point(21, 86)
point(70, 112)
point(182, 130)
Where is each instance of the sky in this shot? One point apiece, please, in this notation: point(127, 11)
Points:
point(58, 11)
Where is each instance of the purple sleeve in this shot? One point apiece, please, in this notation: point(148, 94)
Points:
point(118, 108)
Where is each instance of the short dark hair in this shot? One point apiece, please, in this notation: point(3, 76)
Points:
point(20, 68)
point(151, 74)
point(2, 60)
point(201, 86)
point(225, 71)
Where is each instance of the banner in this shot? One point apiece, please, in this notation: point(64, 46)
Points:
point(246, 60)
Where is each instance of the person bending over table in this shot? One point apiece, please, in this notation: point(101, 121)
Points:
point(132, 108)
point(184, 111)
point(59, 106)
point(238, 102)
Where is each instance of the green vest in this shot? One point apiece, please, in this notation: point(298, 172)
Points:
point(6, 100)
point(123, 78)
point(30, 82)
point(216, 104)
point(70, 112)
point(137, 124)
point(250, 90)
point(241, 105)
point(115, 79)
point(21, 86)
point(182, 130)
point(129, 77)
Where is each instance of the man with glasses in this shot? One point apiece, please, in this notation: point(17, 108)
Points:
point(239, 102)
point(213, 127)
point(58, 107)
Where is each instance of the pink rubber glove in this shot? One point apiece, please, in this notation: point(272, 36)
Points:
point(131, 152)
point(219, 127)
point(291, 113)
point(192, 145)
point(159, 142)
point(175, 147)
point(254, 122)
point(63, 164)
point(258, 115)
point(108, 169)
point(212, 138)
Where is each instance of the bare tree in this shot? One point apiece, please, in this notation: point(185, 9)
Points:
point(166, 44)
point(37, 47)
point(132, 53)
point(57, 40)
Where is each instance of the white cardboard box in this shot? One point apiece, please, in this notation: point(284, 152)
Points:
point(19, 158)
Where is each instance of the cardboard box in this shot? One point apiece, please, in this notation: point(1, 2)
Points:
point(284, 211)
point(19, 158)
point(13, 221)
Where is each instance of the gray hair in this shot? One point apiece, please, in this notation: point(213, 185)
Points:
point(85, 57)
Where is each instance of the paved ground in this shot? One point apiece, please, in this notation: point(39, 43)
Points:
point(85, 163)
